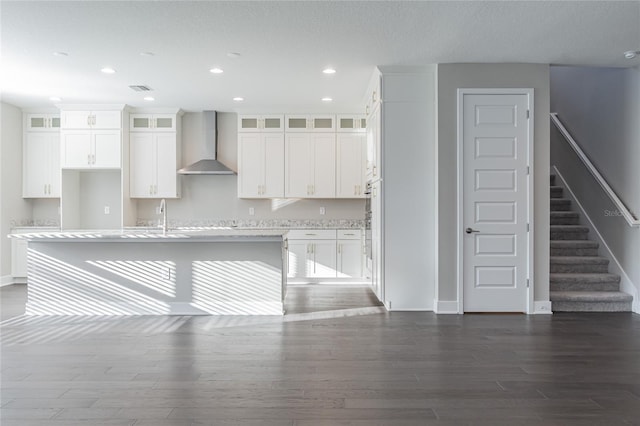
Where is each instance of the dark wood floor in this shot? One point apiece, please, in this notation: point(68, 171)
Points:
point(346, 364)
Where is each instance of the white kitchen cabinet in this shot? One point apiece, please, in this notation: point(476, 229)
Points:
point(42, 122)
point(373, 145)
point(351, 123)
point(41, 165)
point(91, 119)
point(261, 165)
point(310, 161)
point(349, 262)
point(325, 254)
point(261, 123)
point(312, 254)
point(310, 123)
point(350, 165)
point(152, 122)
point(153, 165)
point(90, 149)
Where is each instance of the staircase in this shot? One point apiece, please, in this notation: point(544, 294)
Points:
point(579, 279)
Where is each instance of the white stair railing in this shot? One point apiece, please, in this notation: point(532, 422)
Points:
point(628, 215)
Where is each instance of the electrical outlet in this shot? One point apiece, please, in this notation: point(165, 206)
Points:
point(322, 210)
point(252, 211)
point(106, 210)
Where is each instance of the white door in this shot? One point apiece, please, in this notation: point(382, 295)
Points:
point(496, 137)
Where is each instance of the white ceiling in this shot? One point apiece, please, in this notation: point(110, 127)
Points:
point(284, 47)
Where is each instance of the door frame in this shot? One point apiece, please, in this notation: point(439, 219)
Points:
point(530, 179)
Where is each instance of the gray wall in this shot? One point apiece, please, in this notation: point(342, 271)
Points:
point(12, 206)
point(601, 108)
point(450, 78)
point(215, 197)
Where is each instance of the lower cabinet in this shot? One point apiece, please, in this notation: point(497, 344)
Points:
point(316, 254)
point(18, 258)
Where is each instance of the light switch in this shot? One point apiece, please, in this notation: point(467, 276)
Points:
point(252, 211)
point(106, 209)
point(322, 210)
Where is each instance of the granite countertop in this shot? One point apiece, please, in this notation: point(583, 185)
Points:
point(155, 235)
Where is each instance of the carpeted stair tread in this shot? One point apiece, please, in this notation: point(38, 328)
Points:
point(578, 264)
point(565, 218)
point(574, 244)
point(560, 204)
point(569, 232)
point(579, 260)
point(573, 248)
point(584, 282)
point(556, 192)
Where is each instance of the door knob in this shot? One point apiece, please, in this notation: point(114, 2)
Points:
point(470, 230)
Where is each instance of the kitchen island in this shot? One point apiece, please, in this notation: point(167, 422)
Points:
point(190, 272)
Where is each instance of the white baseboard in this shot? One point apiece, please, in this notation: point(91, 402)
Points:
point(446, 306)
point(542, 307)
point(9, 279)
point(626, 285)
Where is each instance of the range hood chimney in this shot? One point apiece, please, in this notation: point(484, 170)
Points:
point(208, 166)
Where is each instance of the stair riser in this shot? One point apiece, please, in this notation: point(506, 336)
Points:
point(578, 268)
point(573, 252)
point(560, 286)
point(564, 235)
point(591, 307)
point(560, 205)
point(565, 221)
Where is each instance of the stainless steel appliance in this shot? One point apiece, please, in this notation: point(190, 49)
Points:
point(367, 230)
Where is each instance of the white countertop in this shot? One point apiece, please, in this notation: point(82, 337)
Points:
point(156, 235)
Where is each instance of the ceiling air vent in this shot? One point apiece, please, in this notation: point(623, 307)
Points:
point(140, 88)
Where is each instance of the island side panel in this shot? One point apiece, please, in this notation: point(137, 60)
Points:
point(159, 278)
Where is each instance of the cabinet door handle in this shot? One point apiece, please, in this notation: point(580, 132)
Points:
point(313, 189)
point(45, 188)
point(339, 248)
point(89, 159)
point(93, 120)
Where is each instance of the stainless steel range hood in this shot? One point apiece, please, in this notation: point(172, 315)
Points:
point(208, 166)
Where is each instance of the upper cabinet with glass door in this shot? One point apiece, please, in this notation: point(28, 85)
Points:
point(42, 122)
point(310, 123)
point(152, 122)
point(261, 123)
point(351, 123)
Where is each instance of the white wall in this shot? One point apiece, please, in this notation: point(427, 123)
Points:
point(12, 206)
point(450, 78)
point(600, 108)
point(408, 186)
point(215, 197)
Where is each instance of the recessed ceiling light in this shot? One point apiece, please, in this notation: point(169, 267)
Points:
point(233, 55)
point(60, 54)
point(216, 71)
point(238, 99)
point(149, 98)
point(55, 99)
point(329, 71)
point(327, 99)
point(108, 70)
point(630, 54)
point(147, 54)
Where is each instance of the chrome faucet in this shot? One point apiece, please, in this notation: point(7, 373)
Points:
point(163, 211)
